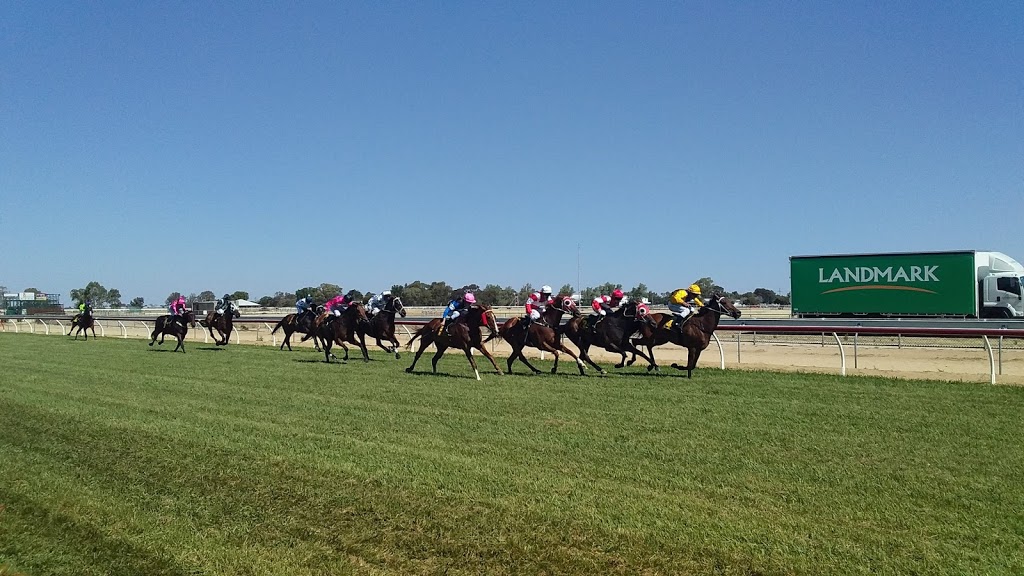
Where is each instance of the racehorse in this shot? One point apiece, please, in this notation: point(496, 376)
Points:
point(332, 330)
point(694, 336)
point(84, 322)
point(222, 323)
point(544, 335)
point(611, 332)
point(463, 333)
point(382, 325)
point(176, 326)
point(294, 323)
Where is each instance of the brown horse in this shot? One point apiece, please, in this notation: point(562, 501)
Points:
point(464, 334)
point(84, 322)
point(292, 323)
point(382, 325)
point(544, 335)
point(175, 326)
point(223, 323)
point(695, 334)
point(611, 332)
point(333, 330)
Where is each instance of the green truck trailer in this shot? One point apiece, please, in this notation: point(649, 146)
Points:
point(945, 284)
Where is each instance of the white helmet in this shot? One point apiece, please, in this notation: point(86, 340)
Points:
point(545, 289)
point(575, 297)
point(386, 293)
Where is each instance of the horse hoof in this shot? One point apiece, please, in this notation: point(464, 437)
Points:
point(408, 370)
point(604, 372)
point(398, 356)
point(553, 370)
point(150, 343)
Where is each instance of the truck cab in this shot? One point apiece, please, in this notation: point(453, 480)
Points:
point(1000, 285)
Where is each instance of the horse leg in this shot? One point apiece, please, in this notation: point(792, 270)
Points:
point(563, 348)
point(327, 350)
point(394, 344)
point(586, 357)
point(423, 345)
point(483, 350)
point(152, 337)
point(285, 342)
point(362, 346)
point(181, 343)
point(437, 356)
point(469, 354)
point(522, 357)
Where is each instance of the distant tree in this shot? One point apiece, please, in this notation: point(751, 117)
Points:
point(440, 293)
point(137, 302)
point(240, 295)
point(524, 292)
point(566, 289)
point(307, 291)
point(36, 290)
point(266, 301)
point(327, 291)
point(100, 296)
point(639, 291)
point(206, 296)
point(707, 285)
point(495, 295)
point(782, 300)
point(171, 297)
point(287, 299)
point(355, 295)
point(749, 299)
point(765, 295)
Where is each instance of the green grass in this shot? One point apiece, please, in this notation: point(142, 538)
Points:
point(115, 459)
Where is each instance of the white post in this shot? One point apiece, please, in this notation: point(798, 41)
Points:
point(46, 326)
point(237, 339)
point(32, 325)
point(61, 324)
point(269, 329)
point(991, 361)
point(16, 330)
point(103, 331)
point(721, 351)
point(842, 355)
point(124, 330)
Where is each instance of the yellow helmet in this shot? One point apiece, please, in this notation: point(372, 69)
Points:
point(693, 289)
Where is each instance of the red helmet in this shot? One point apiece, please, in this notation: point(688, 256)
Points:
point(617, 294)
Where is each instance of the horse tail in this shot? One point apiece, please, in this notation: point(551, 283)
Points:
point(423, 330)
point(279, 324)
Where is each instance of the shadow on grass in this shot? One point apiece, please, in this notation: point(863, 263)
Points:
point(208, 349)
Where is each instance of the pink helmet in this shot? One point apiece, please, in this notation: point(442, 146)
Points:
point(469, 298)
point(617, 293)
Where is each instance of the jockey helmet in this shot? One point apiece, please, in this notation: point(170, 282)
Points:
point(469, 298)
point(693, 289)
point(227, 296)
point(617, 294)
point(545, 289)
point(386, 293)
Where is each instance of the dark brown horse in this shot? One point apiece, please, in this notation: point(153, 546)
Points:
point(223, 324)
point(333, 330)
point(382, 325)
point(695, 334)
point(84, 322)
point(301, 323)
point(176, 326)
point(544, 335)
point(611, 332)
point(464, 334)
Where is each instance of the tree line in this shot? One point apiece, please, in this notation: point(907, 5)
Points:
point(431, 294)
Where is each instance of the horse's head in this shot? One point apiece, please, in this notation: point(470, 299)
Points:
point(566, 304)
point(190, 318)
point(394, 304)
point(721, 305)
point(358, 311)
point(482, 315)
point(640, 312)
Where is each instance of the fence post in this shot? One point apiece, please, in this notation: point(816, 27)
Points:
point(1000, 355)
point(124, 330)
point(103, 331)
point(855, 335)
point(842, 355)
point(738, 360)
point(46, 327)
point(32, 326)
point(271, 330)
point(753, 337)
point(991, 361)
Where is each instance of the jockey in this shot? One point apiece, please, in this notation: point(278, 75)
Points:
point(605, 304)
point(302, 306)
point(537, 303)
point(85, 308)
point(455, 308)
point(177, 308)
point(377, 301)
point(338, 304)
point(681, 303)
point(224, 305)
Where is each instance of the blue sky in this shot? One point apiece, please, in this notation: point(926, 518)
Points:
point(250, 146)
